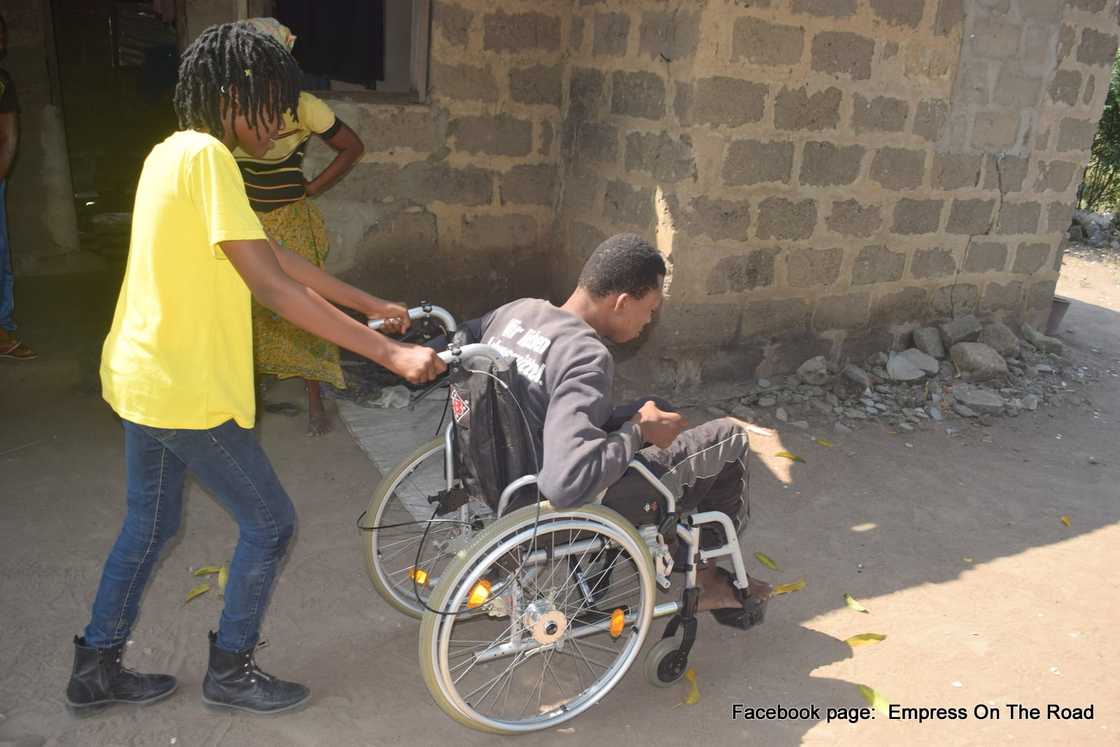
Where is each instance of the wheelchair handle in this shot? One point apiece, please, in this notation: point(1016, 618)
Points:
point(424, 311)
point(466, 352)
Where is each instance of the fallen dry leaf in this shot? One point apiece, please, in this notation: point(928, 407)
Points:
point(851, 602)
point(789, 456)
point(693, 696)
point(207, 570)
point(824, 442)
point(797, 585)
point(1065, 520)
point(875, 700)
point(197, 592)
point(766, 561)
point(864, 638)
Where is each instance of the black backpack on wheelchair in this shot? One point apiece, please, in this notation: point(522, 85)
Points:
point(493, 444)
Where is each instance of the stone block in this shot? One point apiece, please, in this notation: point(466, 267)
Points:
point(718, 219)
point(1090, 90)
point(1005, 173)
point(1096, 48)
point(376, 182)
point(582, 187)
point(985, 256)
point(955, 170)
point(463, 82)
point(452, 22)
point(1092, 6)
point(1076, 134)
point(1037, 44)
point(597, 141)
point(928, 340)
point(899, 307)
point(843, 53)
point(999, 337)
point(877, 264)
point(425, 182)
point(630, 205)
point(500, 231)
point(995, 130)
point(826, 164)
point(965, 328)
point(1067, 38)
point(977, 362)
point(907, 13)
point(539, 84)
point(1055, 176)
point(755, 162)
point(806, 268)
point(742, 272)
point(1030, 257)
point(797, 109)
point(531, 184)
point(848, 311)
point(682, 102)
point(586, 91)
point(575, 34)
point(930, 118)
point(1065, 87)
point(974, 84)
point(665, 158)
point(880, 113)
point(1040, 10)
point(1018, 217)
point(911, 365)
point(828, 8)
point(1017, 88)
point(669, 36)
point(779, 317)
point(970, 217)
point(1042, 342)
point(730, 102)
point(1039, 296)
point(584, 238)
point(952, 300)
point(499, 135)
point(950, 13)
point(611, 34)
point(995, 37)
point(898, 168)
point(637, 95)
point(779, 218)
point(762, 43)
point(389, 128)
point(917, 216)
point(1002, 297)
point(520, 32)
point(933, 263)
point(1058, 216)
point(852, 218)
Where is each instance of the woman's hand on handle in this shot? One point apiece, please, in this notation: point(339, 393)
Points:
point(415, 363)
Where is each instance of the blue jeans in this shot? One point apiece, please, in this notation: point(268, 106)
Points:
point(228, 462)
point(7, 297)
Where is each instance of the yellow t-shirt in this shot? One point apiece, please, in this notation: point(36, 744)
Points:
point(180, 351)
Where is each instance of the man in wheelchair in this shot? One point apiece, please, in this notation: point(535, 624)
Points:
point(564, 380)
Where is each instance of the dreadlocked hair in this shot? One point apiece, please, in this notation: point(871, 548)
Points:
point(233, 64)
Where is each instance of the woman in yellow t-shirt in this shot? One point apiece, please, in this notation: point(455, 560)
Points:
point(177, 367)
point(279, 193)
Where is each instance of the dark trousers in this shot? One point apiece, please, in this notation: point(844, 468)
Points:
point(705, 468)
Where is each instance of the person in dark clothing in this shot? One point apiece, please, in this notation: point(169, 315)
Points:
point(10, 345)
point(566, 374)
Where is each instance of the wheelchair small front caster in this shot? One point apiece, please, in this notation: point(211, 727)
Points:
point(665, 664)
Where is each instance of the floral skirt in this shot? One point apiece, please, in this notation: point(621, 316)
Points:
point(279, 347)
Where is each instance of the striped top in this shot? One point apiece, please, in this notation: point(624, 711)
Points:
point(277, 179)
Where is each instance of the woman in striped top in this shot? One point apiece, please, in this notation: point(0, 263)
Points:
point(279, 192)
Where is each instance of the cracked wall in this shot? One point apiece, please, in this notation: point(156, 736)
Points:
point(825, 175)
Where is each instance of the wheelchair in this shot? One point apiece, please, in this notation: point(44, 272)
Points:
point(531, 615)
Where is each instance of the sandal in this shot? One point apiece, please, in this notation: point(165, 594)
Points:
point(16, 350)
point(753, 607)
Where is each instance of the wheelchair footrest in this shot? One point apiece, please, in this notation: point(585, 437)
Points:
point(744, 618)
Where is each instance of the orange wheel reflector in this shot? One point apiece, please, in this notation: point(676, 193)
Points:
point(479, 594)
point(618, 620)
point(419, 575)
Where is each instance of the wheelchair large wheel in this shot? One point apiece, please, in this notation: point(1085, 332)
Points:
point(538, 619)
point(401, 503)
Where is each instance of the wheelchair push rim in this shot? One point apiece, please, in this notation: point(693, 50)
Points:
point(544, 652)
point(391, 553)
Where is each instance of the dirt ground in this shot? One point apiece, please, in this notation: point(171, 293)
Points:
point(954, 544)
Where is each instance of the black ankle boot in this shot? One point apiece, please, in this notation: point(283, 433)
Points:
point(99, 678)
point(234, 681)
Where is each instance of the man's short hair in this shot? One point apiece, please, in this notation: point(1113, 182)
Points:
point(624, 263)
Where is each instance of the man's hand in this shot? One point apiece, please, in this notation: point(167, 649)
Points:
point(415, 363)
point(394, 316)
point(657, 426)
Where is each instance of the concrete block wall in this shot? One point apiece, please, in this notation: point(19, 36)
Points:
point(824, 175)
point(455, 200)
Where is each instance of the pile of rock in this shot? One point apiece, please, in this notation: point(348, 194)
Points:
point(1094, 229)
point(958, 368)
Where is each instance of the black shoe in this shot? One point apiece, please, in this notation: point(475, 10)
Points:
point(234, 680)
point(753, 602)
point(99, 678)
